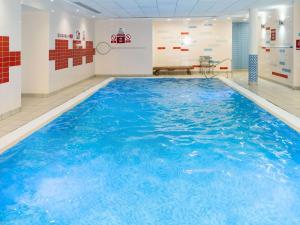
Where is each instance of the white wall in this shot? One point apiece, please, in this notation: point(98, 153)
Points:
point(125, 61)
point(276, 57)
point(68, 24)
point(199, 37)
point(10, 25)
point(35, 52)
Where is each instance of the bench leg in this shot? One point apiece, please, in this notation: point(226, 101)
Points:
point(189, 72)
point(156, 72)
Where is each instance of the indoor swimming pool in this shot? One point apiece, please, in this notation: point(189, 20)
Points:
point(155, 151)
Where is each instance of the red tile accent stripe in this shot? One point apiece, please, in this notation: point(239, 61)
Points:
point(223, 68)
point(268, 50)
point(161, 48)
point(280, 75)
point(184, 50)
point(7, 59)
point(61, 54)
point(177, 48)
point(185, 33)
point(198, 66)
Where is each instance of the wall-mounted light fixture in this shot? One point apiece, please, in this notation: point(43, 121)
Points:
point(280, 22)
point(263, 26)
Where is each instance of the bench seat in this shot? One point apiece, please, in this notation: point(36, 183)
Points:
point(157, 69)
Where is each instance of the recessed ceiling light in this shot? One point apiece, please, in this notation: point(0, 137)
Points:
point(51, 0)
point(169, 19)
point(52, 10)
point(77, 10)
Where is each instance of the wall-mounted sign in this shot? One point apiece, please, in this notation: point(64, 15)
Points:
point(298, 44)
point(78, 35)
point(83, 35)
point(273, 35)
point(60, 35)
point(120, 37)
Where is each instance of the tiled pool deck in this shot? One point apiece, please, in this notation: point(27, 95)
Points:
point(284, 97)
point(33, 107)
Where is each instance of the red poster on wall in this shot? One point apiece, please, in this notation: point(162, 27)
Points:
point(273, 35)
point(298, 44)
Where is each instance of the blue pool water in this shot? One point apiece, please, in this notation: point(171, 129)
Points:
point(155, 151)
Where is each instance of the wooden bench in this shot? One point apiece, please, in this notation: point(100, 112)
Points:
point(157, 69)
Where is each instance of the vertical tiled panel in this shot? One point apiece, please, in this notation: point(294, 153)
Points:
point(77, 53)
point(240, 40)
point(61, 54)
point(253, 68)
point(90, 52)
point(7, 59)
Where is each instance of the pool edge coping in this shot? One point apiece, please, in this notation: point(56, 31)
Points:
point(288, 118)
point(14, 137)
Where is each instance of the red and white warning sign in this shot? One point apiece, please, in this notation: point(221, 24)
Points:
point(120, 37)
point(298, 44)
point(273, 35)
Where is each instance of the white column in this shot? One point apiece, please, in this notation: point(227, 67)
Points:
point(253, 47)
point(296, 55)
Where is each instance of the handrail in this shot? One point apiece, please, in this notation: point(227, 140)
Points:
point(219, 63)
point(224, 60)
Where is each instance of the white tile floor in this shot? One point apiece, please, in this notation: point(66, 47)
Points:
point(32, 107)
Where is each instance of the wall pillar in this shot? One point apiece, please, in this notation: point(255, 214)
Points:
point(296, 54)
point(253, 47)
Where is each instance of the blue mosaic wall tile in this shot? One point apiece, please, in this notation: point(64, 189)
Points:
point(253, 68)
point(282, 63)
point(208, 49)
point(286, 70)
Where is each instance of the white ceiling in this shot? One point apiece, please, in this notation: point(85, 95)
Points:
point(155, 8)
